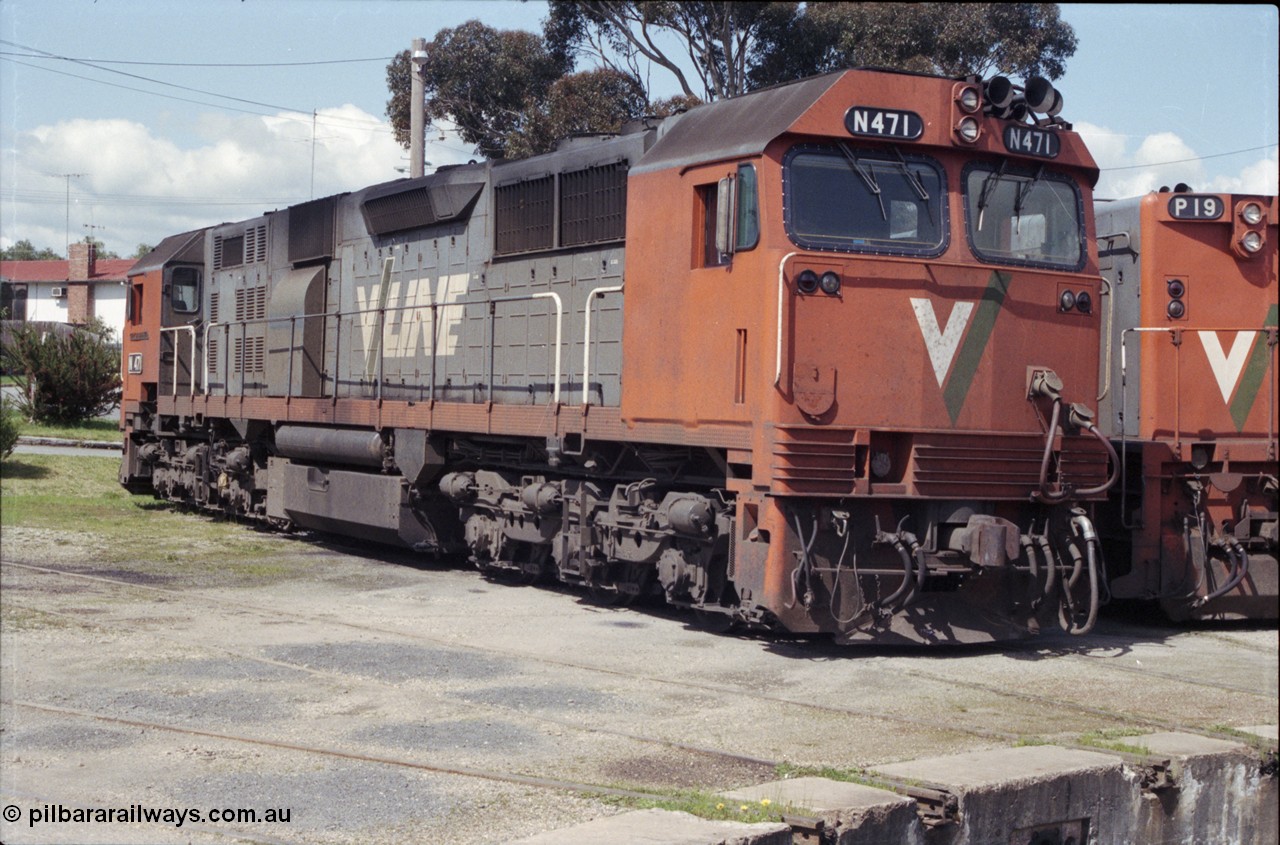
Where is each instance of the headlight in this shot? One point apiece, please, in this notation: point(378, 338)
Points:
point(1084, 302)
point(830, 283)
point(1066, 300)
point(969, 100)
point(1176, 309)
point(968, 129)
point(1176, 288)
point(1252, 213)
point(1252, 241)
point(807, 281)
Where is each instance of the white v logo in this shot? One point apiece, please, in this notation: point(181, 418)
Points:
point(942, 343)
point(1226, 367)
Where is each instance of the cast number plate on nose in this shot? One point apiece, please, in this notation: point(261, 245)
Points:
point(1194, 207)
point(883, 123)
point(1032, 142)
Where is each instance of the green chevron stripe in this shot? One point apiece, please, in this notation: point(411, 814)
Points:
point(975, 343)
point(1254, 373)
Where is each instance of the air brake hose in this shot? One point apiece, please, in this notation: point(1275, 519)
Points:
point(907, 580)
point(1115, 465)
point(1044, 494)
point(1051, 577)
point(1239, 568)
point(917, 554)
point(1085, 529)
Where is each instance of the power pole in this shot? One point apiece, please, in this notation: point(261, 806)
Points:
point(417, 109)
point(68, 177)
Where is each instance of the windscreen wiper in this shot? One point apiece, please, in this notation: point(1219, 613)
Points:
point(988, 185)
point(1020, 195)
point(914, 180)
point(866, 175)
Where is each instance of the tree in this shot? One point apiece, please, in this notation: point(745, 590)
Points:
point(63, 378)
point(718, 38)
point(24, 250)
point(949, 39)
point(99, 248)
point(588, 102)
point(501, 87)
point(483, 79)
point(142, 250)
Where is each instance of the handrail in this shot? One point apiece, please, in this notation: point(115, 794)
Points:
point(777, 369)
point(382, 311)
point(586, 338)
point(174, 381)
point(555, 388)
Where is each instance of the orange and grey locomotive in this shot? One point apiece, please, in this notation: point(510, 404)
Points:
point(813, 359)
point(1189, 398)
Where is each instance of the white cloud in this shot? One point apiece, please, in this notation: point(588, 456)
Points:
point(1165, 159)
point(139, 186)
point(1260, 177)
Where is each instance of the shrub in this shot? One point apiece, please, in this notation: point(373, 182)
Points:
point(8, 430)
point(63, 378)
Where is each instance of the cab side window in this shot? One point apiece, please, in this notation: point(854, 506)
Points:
point(184, 290)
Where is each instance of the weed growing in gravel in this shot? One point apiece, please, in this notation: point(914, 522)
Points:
point(1109, 739)
point(708, 805)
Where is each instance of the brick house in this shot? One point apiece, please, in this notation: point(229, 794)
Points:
point(67, 291)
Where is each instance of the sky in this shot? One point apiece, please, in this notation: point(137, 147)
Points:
point(130, 120)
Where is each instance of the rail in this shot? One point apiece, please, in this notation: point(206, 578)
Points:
point(173, 382)
point(586, 338)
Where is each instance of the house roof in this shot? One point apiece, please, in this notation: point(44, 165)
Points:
point(58, 271)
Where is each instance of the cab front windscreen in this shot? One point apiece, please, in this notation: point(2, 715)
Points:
point(1024, 218)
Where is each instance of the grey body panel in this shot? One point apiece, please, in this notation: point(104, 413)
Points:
point(1119, 261)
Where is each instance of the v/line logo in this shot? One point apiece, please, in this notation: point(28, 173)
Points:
point(953, 351)
point(1241, 371)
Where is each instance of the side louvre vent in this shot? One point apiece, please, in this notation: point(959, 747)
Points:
point(593, 205)
point(523, 215)
point(311, 230)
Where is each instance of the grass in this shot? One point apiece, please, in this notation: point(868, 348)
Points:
point(1109, 739)
point(102, 430)
point(708, 805)
point(79, 503)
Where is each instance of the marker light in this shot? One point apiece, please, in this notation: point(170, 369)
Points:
point(1176, 288)
point(830, 283)
point(1252, 241)
point(1252, 213)
point(1084, 302)
point(1066, 301)
point(807, 281)
point(1176, 309)
point(968, 129)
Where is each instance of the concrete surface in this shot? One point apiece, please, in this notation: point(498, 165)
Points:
point(663, 827)
point(1005, 790)
point(384, 699)
point(854, 814)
